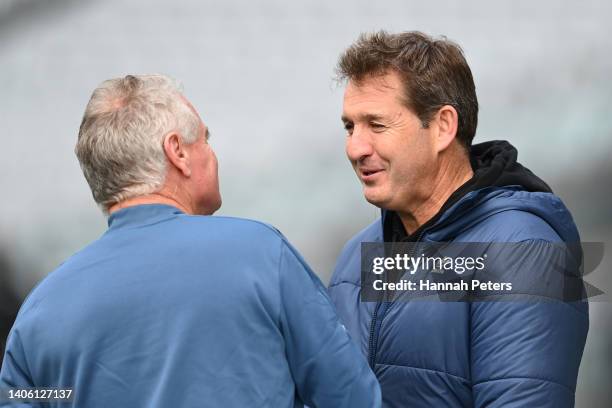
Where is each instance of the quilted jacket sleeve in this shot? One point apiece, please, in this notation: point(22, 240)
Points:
point(526, 352)
point(526, 355)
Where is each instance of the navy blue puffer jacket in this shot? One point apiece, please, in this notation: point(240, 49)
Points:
point(472, 354)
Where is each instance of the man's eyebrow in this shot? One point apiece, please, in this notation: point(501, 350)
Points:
point(366, 117)
point(208, 135)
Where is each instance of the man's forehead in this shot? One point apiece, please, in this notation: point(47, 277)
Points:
point(371, 97)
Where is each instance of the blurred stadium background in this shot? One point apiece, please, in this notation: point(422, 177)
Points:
point(261, 74)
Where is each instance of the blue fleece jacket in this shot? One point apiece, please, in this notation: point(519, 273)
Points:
point(171, 310)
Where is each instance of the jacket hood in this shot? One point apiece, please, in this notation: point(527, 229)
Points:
point(494, 164)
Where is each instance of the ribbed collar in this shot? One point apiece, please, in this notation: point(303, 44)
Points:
point(141, 215)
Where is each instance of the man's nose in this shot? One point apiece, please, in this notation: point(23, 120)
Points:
point(358, 146)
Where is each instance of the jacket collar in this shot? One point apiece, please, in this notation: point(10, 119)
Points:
point(143, 214)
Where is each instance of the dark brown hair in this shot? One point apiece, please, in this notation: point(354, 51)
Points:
point(434, 71)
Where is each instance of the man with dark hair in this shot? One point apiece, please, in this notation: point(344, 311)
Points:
point(410, 112)
point(172, 307)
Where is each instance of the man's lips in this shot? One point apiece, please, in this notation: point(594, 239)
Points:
point(369, 174)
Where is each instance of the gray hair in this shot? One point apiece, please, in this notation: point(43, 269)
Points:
point(120, 143)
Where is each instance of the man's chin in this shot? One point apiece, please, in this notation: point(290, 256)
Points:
point(210, 208)
point(217, 206)
point(374, 199)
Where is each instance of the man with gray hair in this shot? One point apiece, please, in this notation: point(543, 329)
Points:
point(172, 307)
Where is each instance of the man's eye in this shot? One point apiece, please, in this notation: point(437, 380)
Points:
point(349, 128)
point(377, 126)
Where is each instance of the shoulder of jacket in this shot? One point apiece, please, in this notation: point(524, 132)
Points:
point(511, 215)
point(515, 225)
point(240, 227)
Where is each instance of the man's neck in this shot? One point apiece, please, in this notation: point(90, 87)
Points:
point(451, 176)
point(154, 198)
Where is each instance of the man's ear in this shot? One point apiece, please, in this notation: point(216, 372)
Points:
point(447, 119)
point(177, 155)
